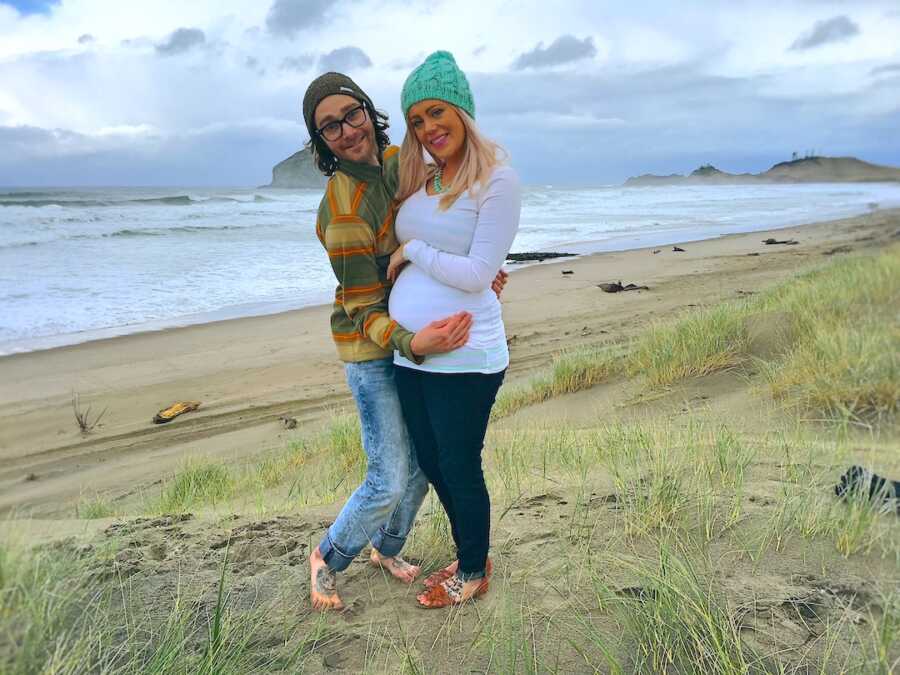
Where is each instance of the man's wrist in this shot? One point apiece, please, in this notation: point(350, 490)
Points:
point(412, 354)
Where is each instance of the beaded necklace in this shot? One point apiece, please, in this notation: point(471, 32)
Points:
point(436, 184)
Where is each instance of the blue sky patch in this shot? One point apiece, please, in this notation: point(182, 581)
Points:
point(31, 6)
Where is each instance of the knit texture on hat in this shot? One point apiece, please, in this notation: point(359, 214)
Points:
point(438, 77)
point(328, 85)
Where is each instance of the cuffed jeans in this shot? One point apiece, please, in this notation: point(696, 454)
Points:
point(447, 417)
point(381, 511)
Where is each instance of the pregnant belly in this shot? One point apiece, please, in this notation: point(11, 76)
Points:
point(417, 299)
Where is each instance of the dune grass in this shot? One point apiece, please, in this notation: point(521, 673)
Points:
point(645, 513)
point(94, 506)
point(200, 481)
point(56, 616)
point(707, 341)
point(673, 620)
point(316, 469)
point(571, 371)
point(843, 361)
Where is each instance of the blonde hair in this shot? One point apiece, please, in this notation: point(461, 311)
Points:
point(480, 158)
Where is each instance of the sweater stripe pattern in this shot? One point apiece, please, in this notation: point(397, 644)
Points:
point(355, 225)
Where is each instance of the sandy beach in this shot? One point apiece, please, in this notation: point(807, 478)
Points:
point(248, 372)
point(696, 516)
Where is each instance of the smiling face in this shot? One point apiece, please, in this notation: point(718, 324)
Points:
point(354, 144)
point(439, 128)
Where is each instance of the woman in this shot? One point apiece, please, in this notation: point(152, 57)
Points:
point(458, 220)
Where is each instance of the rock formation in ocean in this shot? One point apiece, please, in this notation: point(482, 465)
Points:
point(805, 170)
point(296, 172)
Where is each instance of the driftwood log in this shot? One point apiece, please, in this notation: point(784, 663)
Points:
point(617, 287)
point(537, 256)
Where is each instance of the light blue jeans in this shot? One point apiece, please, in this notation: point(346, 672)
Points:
point(381, 511)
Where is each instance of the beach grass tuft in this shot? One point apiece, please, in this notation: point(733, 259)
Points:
point(570, 371)
point(95, 506)
point(199, 482)
point(833, 351)
point(675, 620)
point(707, 341)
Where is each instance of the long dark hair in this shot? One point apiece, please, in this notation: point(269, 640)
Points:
point(325, 159)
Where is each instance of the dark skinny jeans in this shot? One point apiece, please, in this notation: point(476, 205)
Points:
point(447, 416)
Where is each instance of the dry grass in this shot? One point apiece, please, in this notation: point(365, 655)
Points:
point(844, 362)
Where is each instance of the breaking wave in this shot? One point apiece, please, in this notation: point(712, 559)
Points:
point(15, 199)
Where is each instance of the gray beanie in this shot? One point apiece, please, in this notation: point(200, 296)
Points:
point(328, 85)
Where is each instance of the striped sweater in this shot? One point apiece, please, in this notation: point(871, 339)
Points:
point(356, 226)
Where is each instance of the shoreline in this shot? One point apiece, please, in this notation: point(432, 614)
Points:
point(615, 243)
point(249, 371)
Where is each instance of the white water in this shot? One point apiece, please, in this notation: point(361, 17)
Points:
point(77, 265)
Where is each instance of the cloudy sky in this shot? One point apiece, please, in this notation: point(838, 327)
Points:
point(207, 92)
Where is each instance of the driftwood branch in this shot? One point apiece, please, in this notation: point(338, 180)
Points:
point(83, 417)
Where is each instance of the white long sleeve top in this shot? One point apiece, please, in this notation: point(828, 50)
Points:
point(454, 256)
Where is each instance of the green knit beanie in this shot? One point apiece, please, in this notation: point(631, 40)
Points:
point(438, 77)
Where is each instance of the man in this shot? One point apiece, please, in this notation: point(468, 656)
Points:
point(356, 226)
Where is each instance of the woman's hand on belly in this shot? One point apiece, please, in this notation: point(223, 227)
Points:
point(443, 335)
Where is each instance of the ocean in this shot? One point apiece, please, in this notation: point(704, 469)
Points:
point(89, 263)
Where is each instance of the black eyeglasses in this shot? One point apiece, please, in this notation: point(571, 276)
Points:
point(355, 118)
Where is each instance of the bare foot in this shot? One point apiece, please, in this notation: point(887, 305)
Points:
point(322, 589)
point(397, 566)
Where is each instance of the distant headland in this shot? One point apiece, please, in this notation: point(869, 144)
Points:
point(297, 172)
point(300, 172)
point(803, 170)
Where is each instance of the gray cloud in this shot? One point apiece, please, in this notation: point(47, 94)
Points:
point(28, 142)
point(252, 63)
point(138, 42)
point(564, 49)
point(668, 120)
point(299, 63)
point(561, 124)
point(344, 58)
point(86, 38)
point(407, 63)
point(835, 29)
point(633, 96)
point(182, 40)
point(889, 68)
point(286, 18)
point(40, 156)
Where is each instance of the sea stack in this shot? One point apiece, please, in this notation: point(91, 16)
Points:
point(298, 171)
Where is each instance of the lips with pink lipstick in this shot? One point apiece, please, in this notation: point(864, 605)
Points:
point(439, 141)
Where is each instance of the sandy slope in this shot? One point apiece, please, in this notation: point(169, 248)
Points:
point(247, 372)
